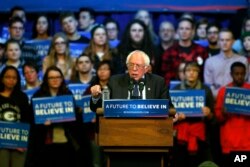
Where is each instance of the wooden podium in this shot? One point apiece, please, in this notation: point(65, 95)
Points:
point(152, 135)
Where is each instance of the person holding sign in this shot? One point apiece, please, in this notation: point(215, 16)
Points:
point(14, 108)
point(58, 144)
point(150, 86)
point(191, 143)
point(234, 132)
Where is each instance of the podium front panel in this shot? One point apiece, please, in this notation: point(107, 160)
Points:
point(135, 132)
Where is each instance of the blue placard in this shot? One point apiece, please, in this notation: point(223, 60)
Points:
point(54, 109)
point(114, 43)
point(5, 33)
point(86, 34)
point(76, 49)
point(136, 108)
point(30, 92)
point(78, 90)
point(14, 135)
point(188, 102)
point(237, 100)
point(42, 47)
point(88, 115)
point(173, 84)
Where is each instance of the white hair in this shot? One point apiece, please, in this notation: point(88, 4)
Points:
point(143, 54)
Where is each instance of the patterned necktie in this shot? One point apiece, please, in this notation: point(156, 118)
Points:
point(136, 90)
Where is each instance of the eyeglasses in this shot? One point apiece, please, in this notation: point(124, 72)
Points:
point(137, 66)
point(60, 43)
point(55, 78)
point(212, 32)
point(17, 28)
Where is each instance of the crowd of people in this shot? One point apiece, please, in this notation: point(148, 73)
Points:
point(198, 53)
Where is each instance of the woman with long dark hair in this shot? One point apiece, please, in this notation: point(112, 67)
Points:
point(41, 28)
point(136, 37)
point(14, 107)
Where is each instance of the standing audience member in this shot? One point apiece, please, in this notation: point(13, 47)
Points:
point(217, 68)
point(16, 29)
point(192, 138)
point(201, 33)
point(181, 74)
point(31, 75)
point(246, 44)
point(29, 52)
point(41, 28)
point(234, 132)
point(83, 70)
point(136, 37)
point(112, 27)
point(213, 47)
point(59, 55)
point(86, 20)
point(98, 48)
point(59, 144)
point(145, 17)
point(184, 50)
point(103, 73)
point(237, 46)
point(14, 108)
point(18, 11)
point(167, 39)
point(69, 26)
point(13, 55)
point(2, 49)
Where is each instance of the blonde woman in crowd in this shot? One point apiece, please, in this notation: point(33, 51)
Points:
point(59, 55)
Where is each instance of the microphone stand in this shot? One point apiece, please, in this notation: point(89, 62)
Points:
point(131, 87)
point(141, 87)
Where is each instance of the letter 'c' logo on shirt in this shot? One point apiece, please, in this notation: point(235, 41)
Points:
point(9, 116)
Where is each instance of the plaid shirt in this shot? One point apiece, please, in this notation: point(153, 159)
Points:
point(172, 58)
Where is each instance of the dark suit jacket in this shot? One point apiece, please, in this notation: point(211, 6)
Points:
point(155, 86)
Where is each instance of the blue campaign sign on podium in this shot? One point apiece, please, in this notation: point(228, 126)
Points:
point(188, 102)
point(136, 108)
point(14, 135)
point(54, 109)
point(237, 100)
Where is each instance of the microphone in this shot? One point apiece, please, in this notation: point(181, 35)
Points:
point(141, 87)
point(131, 87)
